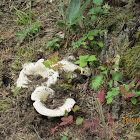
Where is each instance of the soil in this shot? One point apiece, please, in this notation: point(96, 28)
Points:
point(18, 118)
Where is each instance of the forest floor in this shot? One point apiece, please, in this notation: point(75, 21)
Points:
point(18, 118)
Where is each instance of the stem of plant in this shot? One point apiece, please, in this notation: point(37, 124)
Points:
point(68, 34)
point(102, 116)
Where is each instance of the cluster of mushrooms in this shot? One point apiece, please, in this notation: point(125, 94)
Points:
point(41, 93)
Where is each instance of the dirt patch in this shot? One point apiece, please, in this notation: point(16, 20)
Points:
point(36, 80)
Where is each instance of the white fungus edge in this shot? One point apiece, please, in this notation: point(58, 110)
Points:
point(41, 108)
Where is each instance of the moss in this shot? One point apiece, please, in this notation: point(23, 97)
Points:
point(137, 35)
point(114, 21)
point(130, 62)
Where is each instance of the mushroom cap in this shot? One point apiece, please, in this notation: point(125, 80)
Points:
point(37, 68)
point(60, 111)
point(69, 66)
point(41, 93)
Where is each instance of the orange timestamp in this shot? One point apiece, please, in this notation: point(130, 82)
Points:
point(131, 120)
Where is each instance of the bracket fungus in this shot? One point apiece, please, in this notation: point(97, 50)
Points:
point(41, 93)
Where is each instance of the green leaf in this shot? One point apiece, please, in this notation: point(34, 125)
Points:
point(105, 11)
point(55, 39)
point(61, 24)
point(100, 44)
point(1, 13)
point(76, 108)
point(72, 9)
point(64, 138)
point(97, 81)
point(109, 94)
point(102, 67)
point(75, 44)
point(98, 2)
point(47, 64)
point(136, 93)
point(105, 72)
point(117, 76)
point(77, 62)
point(109, 100)
point(79, 121)
point(1, 39)
point(84, 57)
point(116, 93)
point(84, 43)
point(83, 64)
point(134, 100)
point(92, 58)
point(80, 11)
point(86, 21)
point(16, 90)
point(49, 44)
point(115, 66)
point(94, 17)
point(95, 32)
point(77, 20)
point(95, 10)
point(57, 45)
point(90, 37)
point(110, 83)
point(102, 31)
point(133, 85)
point(68, 76)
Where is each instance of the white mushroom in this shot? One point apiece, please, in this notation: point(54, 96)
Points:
point(68, 66)
point(41, 94)
point(37, 68)
point(60, 111)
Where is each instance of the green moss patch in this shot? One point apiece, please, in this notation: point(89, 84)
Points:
point(130, 62)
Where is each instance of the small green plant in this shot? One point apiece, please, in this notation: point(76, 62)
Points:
point(127, 93)
point(50, 63)
point(97, 11)
point(105, 75)
point(112, 93)
point(16, 91)
point(25, 18)
point(123, 90)
point(52, 45)
point(85, 59)
point(29, 32)
point(73, 13)
point(88, 40)
point(72, 16)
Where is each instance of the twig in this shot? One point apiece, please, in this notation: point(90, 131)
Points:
point(102, 116)
point(37, 133)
